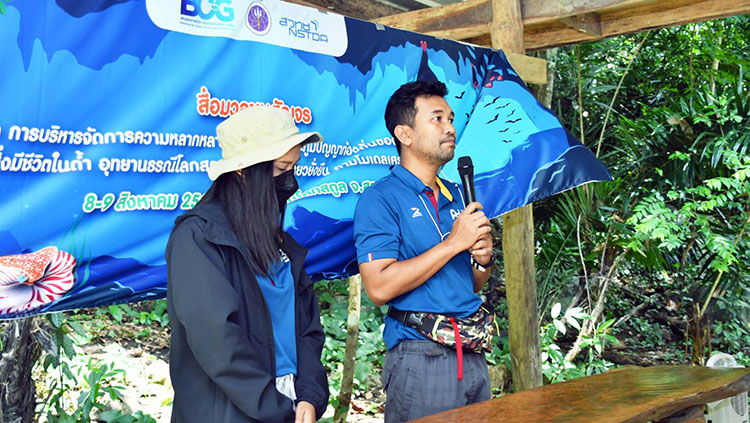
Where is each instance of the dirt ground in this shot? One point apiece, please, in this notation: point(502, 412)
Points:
point(146, 378)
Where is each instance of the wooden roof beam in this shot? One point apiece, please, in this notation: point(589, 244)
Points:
point(548, 23)
point(360, 9)
point(471, 18)
point(588, 23)
point(456, 21)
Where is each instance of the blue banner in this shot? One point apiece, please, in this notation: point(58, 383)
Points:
point(108, 117)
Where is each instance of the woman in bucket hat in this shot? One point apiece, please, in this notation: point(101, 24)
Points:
point(246, 334)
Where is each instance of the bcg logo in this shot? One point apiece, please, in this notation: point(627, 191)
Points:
point(207, 9)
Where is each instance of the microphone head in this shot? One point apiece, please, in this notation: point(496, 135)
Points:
point(465, 166)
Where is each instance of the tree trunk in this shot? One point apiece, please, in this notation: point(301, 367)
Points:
point(352, 336)
point(544, 92)
point(19, 353)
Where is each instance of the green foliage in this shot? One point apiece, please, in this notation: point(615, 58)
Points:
point(98, 383)
point(117, 416)
point(500, 354)
point(651, 337)
point(64, 333)
point(3, 6)
point(334, 305)
point(154, 315)
point(711, 211)
point(730, 336)
point(122, 319)
point(675, 217)
point(554, 365)
point(89, 400)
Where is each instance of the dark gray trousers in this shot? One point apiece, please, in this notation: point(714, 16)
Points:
point(420, 378)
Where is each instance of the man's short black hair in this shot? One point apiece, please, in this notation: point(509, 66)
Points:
point(401, 110)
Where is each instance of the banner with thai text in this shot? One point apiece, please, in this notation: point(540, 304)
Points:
point(108, 117)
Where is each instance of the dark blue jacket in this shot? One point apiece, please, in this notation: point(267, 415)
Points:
point(222, 359)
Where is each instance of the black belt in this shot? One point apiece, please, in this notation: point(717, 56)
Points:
point(407, 318)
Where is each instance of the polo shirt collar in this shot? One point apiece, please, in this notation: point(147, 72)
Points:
point(411, 181)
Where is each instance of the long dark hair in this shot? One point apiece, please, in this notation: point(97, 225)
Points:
point(252, 210)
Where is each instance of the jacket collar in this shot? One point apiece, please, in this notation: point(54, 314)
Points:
point(217, 231)
point(216, 226)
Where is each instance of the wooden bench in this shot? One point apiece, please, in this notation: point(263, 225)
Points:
point(668, 394)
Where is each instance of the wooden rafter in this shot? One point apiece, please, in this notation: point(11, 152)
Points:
point(456, 21)
point(588, 23)
point(554, 23)
point(365, 10)
point(545, 23)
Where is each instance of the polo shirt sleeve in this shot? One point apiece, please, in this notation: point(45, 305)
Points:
point(376, 230)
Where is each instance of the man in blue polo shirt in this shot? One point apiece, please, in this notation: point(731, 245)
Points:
point(415, 245)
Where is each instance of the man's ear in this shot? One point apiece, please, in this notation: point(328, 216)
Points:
point(404, 133)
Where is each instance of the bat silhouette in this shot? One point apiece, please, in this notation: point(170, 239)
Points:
point(492, 102)
point(493, 119)
point(461, 96)
point(512, 120)
point(511, 113)
point(507, 141)
point(504, 130)
point(503, 106)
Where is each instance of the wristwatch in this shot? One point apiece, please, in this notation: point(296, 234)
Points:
point(482, 267)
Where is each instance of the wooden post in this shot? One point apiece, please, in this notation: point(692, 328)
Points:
point(506, 31)
point(352, 336)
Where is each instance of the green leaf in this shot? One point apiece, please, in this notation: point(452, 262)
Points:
point(572, 322)
point(116, 312)
point(56, 319)
point(610, 338)
point(67, 346)
point(69, 374)
point(559, 326)
point(115, 416)
point(77, 328)
point(605, 325)
point(143, 418)
point(576, 312)
point(128, 311)
point(556, 310)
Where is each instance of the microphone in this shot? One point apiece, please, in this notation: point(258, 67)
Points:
point(466, 171)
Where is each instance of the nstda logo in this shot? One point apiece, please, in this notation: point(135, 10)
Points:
point(207, 9)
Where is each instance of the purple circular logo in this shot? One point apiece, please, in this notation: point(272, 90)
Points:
point(258, 19)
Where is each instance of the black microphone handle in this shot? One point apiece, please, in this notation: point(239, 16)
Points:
point(468, 183)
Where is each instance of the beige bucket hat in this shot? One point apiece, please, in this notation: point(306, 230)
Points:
point(254, 135)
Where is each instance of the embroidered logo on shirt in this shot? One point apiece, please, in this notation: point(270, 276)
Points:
point(454, 214)
point(284, 257)
point(416, 213)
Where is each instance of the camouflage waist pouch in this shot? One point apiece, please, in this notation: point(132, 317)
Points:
point(475, 331)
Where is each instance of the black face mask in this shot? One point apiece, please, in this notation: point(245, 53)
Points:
point(286, 186)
